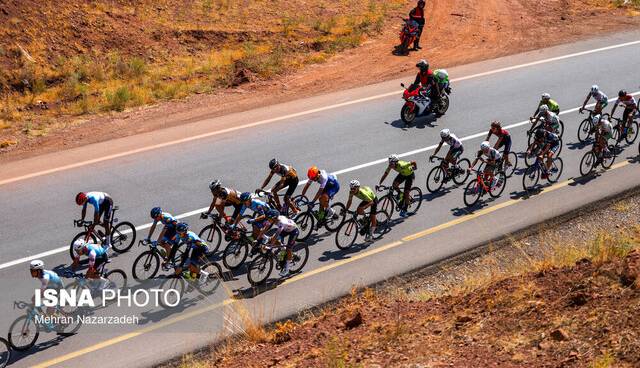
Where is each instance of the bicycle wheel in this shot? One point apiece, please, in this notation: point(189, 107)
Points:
point(556, 170)
point(608, 159)
point(472, 193)
point(387, 204)
point(235, 254)
point(530, 178)
point(5, 352)
point(214, 278)
point(117, 280)
point(435, 179)
point(560, 129)
point(587, 163)
point(383, 225)
point(583, 131)
point(347, 234)
point(305, 222)
point(632, 133)
point(260, 269)
point(146, 265)
point(461, 175)
point(212, 235)
point(299, 257)
point(557, 154)
point(513, 163)
point(81, 235)
point(173, 288)
point(23, 333)
point(334, 222)
point(123, 236)
point(415, 200)
point(68, 329)
point(497, 190)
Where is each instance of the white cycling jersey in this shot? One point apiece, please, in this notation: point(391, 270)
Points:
point(453, 141)
point(285, 225)
point(492, 154)
point(599, 96)
point(627, 102)
point(605, 126)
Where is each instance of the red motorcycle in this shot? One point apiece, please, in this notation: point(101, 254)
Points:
point(418, 103)
point(408, 35)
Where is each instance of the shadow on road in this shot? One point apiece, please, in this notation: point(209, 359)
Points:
point(420, 123)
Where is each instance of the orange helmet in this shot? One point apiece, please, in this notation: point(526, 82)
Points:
point(313, 172)
point(80, 198)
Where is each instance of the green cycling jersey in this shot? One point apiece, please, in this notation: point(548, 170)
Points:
point(366, 194)
point(405, 168)
point(553, 106)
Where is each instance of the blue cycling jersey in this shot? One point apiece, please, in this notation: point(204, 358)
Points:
point(168, 221)
point(50, 279)
point(95, 199)
point(191, 239)
point(256, 206)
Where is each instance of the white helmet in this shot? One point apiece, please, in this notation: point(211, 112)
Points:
point(595, 88)
point(354, 184)
point(393, 158)
point(485, 145)
point(544, 108)
point(595, 119)
point(36, 265)
point(445, 133)
point(546, 96)
point(78, 244)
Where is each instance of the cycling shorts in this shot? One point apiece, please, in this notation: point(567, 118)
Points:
point(332, 188)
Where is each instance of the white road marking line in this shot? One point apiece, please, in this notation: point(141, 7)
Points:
point(302, 113)
point(302, 182)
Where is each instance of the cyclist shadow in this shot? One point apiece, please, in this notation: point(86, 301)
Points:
point(421, 122)
point(461, 211)
point(254, 291)
point(440, 193)
point(16, 356)
point(583, 180)
point(578, 145)
point(160, 314)
point(339, 254)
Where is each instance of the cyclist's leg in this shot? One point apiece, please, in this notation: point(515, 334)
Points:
point(292, 184)
point(105, 211)
point(276, 188)
point(408, 183)
point(506, 143)
point(372, 214)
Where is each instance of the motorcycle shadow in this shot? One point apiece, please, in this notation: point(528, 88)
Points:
point(420, 123)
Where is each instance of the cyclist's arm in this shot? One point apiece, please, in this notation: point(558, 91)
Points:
point(96, 217)
point(162, 232)
point(348, 205)
point(500, 139)
point(237, 219)
point(306, 186)
point(152, 229)
point(267, 180)
point(384, 176)
point(44, 281)
point(318, 194)
point(212, 205)
point(585, 101)
point(84, 211)
point(438, 148)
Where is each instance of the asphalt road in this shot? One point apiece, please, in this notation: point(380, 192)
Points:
point(353, 140)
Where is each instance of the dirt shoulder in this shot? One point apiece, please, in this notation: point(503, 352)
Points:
point(565, 295)
point(458, 32)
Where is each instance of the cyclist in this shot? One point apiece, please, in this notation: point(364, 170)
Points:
point(455, 150)
point(549, 143)
point(288, 179)
point(550, 103)
point(547, 118)
point(601, 100)
point(102, 204)
point(258, 207)
point(223, 197)
point(168, 232)
point(329, 187)
point(368, 199)
point(493, 160)
point(603, 132)
point(504, 140)
point(417, 15)
point(48, 279)
point(286, 232)
point(630, 106)
point(193, 255)
point(97, 256)
point(405, 175)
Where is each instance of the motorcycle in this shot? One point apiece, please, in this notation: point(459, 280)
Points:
point(419, 104)
point(408, 35)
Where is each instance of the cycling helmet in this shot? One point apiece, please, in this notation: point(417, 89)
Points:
point(622, 93)
point(544, 108)
point(595, 119)
point(273, 163)
point(215, 185)
point(155, 211)
point(423, 65)
point(36, 265)
point(445, 133)
point(546, 97)
point(81, 198)
point(78, 244)
point(313, 172)
point(595, 88)
point(182, 227)
point(496, 124)
point(245, 196)
point(393, 158)
point(272, 213)
point(485, 145)
point(540, 133)
point(353, 184)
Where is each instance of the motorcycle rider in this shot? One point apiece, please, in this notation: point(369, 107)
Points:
point(417, 15)
point(425, 78)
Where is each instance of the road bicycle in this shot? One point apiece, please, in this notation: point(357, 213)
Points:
point(360, 225)
point(534, 151)
point(147, 264)
point(310, 219)
point(531, 132)
point(185, 282)
point(585, 129)
point(393, 199)
point(270, 256)
point(114, 280)
point(596, 157)
point(442, 173)
point(25, 330)
point(619, 129)
point(479, 187)
point(5, 352)
point(123, 235)
point(284, 208)
point(534, 172)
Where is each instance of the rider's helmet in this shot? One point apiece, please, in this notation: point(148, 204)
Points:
point(245, 196)
point(182, 227)
point(622, 93)
point(272, 213)
point(445, 133)
point(485, 145)
point(36, 265)
point(273, 163)
point(421, 3)
point(539, 133)
point(354, 184)
point(595, 119)
point(496, 124)
point(215, 185)
point(546, 97)
point(78, 244)
point(81, 198)
point(155, 212)
point(595, 88)
point(313, 173)
point(544, 108)
point(423, 65)
point(393, 158)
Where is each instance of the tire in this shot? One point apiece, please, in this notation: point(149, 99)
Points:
point(332, 224)
point(260, 269)
point(347, 234)
point(557, 154)
point(386, 204)
point(435, 179)
point(213, 280)
point(300, 257)
point(587, 163)
point(556, 170)
point(472, 193)
point(530, 159)
point(305, 222)
point(146, 265)
point(172, 283)
point(415, 200)
point(513, 160)
point(117, 279)
point(443, 106)
point(583, 131)
point(463, 175)
point(213, 236)
point(5, 353)
point(502, 179)
point(23, 333)
point(123, 236)
point(530, 178)
point(561, 129)
point(235, 254)
point(69, 329)
point(407, 116)
point(632, 133)
point(383, 224)
point(81, 235)
point(608, 162)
